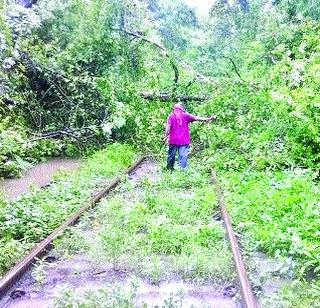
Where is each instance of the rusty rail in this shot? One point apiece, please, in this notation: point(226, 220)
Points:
point(246, 289)
point(22, 266)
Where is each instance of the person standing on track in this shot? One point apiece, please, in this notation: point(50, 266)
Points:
point(178, 136)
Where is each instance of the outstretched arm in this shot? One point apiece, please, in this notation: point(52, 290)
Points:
point(206, 119)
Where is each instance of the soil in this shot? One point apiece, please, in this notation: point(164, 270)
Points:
point(40, 175)
point(81, 272)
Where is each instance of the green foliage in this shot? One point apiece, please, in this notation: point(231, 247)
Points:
point(168, 227)
point(38, 271)
point(10, 150)
point(300, 294)
point(176, 20)
point(278, 213)
point(67, 65)
point(74, 239)
point(61, 78)
point(73, 82)
point(17, 153)
point(113, 296)
point(11, 250)
point(271, 119)
point(34, 216)
point(295, 9)
point(96, 78)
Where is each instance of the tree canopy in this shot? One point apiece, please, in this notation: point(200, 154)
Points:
point(78, 71)
point(77, 74)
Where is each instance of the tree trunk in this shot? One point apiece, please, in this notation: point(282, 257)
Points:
point(166, 97)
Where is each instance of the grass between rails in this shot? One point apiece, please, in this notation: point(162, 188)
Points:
point(28, 220)
point(167, 230)
point(278, 213)
point(168, 227)
point(158, 231)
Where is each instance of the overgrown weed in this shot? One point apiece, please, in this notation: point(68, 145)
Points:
point(277, 212)
point(112, 295)
point(29, 219)
point(169, 225)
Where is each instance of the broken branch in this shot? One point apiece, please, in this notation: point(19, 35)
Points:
point(165, 97)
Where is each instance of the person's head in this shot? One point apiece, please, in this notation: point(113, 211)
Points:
point(177, 107)
point(177, 112)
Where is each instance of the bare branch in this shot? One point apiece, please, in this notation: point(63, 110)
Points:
point(56, 134)
point(235, 67)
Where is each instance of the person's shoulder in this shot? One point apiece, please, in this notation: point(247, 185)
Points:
point(189, 115)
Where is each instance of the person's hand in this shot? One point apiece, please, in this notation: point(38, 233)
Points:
point(211, 118)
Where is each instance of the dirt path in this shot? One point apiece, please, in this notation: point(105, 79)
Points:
point(79, 272)
point(40, 175)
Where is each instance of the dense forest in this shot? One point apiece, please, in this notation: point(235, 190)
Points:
point(78, 74)
point(81, 73)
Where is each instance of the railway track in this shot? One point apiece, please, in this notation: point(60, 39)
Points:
point(246, 288)
point(12, 277)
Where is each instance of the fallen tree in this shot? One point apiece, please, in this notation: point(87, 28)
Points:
point(57, 134)
point(166, 97)
point(200, 77)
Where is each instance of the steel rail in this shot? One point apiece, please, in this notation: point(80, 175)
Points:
point(22, 266)
point(246, 289)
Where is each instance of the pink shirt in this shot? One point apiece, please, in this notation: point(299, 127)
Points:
point(179, 132)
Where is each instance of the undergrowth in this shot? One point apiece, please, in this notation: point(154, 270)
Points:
point(28, 220)
point(159, 230)
point(111, 295)
point(166, 230)
point(298, 294)
point(278, 212)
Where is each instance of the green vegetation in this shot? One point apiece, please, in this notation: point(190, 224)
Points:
point(63, 91)
point(158, 229)
point(168, 228)
point(270, 121)
point(28, 220)
point(278, 213)
point(110, 296)
point(299, 294)
point(113, 295)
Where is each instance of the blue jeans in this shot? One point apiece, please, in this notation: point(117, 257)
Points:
point(182, 155)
